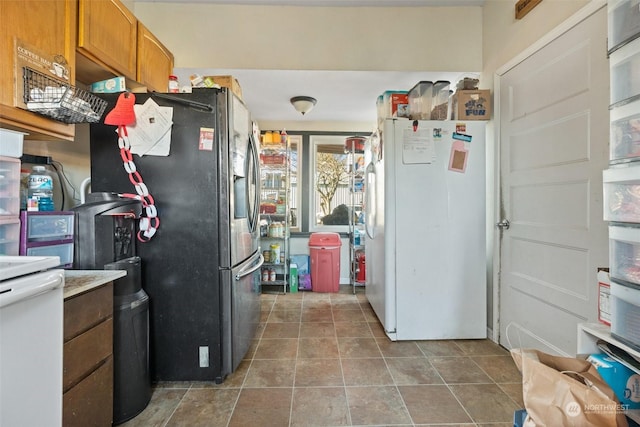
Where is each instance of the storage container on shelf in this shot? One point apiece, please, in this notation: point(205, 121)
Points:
point(9, 187)
point(9, 236)
point(624, 136)
point(621, 190)
point(625, 313)
point(420, 97)
point(624, 252)
point(623, 18)
point(440, 100)
point(396, 104)
point(380, 109)
point(11, 143)
point(624, 73)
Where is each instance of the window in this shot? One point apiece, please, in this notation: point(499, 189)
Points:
point(329, 196)
point(295, 178)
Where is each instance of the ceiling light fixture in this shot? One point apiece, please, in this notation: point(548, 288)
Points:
point(303, 104)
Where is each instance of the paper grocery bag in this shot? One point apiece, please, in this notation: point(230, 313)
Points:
point(565, 391)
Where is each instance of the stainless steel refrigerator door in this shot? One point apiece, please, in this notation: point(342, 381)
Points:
point(241, 314)
point(244, 181)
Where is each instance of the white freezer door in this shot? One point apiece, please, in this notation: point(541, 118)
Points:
point(435, 272)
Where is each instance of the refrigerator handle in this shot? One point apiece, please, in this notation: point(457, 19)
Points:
point(255, 181)
point(244, 271)
point(194, 104)
point(369, 199)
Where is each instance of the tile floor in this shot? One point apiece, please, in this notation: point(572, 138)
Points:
point(323, 360)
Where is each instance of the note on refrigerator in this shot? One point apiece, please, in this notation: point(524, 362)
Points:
point(417, 146)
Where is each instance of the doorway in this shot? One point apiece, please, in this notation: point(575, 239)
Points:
point(553, 124)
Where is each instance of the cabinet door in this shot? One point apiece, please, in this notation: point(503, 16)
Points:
point(48, 26)
point(155, 62)
point(107, 33)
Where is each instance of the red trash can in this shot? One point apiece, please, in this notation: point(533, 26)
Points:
point(324, 250)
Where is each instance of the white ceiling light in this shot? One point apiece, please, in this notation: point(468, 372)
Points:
point(303, 104)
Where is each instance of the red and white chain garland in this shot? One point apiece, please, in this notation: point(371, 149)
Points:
point(148, 224)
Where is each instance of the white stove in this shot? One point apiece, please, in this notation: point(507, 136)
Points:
point(15, 266)
point(31, 336)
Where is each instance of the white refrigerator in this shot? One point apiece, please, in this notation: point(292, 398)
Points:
point(425, 238)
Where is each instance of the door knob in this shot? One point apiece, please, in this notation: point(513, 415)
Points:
point(504, 224)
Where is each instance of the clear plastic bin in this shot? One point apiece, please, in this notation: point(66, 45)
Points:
point(420, 97)
point(9, 236)
point(440, 100)
point(624, 22)
point(624, 253)
point(625, 313)
point(621, 188)
point(624, 133)
point(325, 261)
point(624, 65)
point(9, 187)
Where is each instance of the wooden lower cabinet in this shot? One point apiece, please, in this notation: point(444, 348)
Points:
point(90, 402)
point(88, 359)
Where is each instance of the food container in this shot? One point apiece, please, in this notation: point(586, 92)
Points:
point(354, 144)
point(395, 104)
point(420, 97)
point(275, 253)
point(440, 100)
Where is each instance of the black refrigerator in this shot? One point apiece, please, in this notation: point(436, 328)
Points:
point(201, 269)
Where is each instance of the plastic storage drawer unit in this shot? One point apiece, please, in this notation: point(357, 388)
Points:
point(622, 193)
point(9, 236)
point(325, 261)
point(624, 133)
point(625, 314)
point(624, 73)
point(48, 233)
point(9, 187)
point(624, 22)
point(624, 253)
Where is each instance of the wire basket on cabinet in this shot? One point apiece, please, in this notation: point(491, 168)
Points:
point(59, 100)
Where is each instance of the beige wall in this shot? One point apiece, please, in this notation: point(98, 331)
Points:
point(318, 38)
point(504, 37)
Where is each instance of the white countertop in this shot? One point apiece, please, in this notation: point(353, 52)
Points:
point(80, 281)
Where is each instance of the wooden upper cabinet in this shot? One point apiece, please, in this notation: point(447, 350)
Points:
point(49, 27)
point(107, 36)
point(155, 62)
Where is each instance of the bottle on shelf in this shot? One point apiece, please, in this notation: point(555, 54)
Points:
point(40, 190)
point(174, 85)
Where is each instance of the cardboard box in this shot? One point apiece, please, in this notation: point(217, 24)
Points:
point(604, 291)
point(471, 105)
point(114, 85)
point(624, 382)
point(228, 81)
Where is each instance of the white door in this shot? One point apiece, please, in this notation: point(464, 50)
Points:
point(553, 148)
